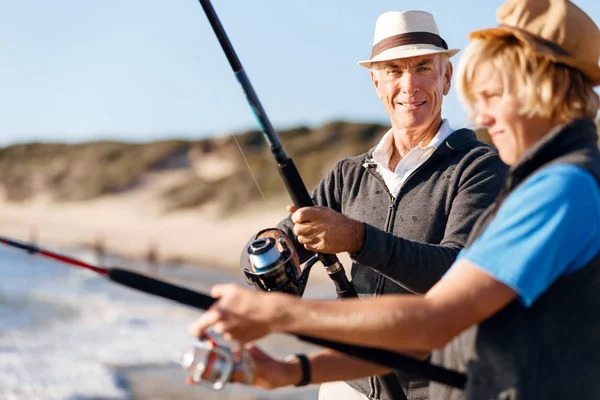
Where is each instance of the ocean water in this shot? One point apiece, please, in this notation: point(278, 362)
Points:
point(65, 332)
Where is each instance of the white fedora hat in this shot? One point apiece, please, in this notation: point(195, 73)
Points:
point(403, 34)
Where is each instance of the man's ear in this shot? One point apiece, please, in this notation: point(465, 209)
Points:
point(448, 78)
point(376, 83)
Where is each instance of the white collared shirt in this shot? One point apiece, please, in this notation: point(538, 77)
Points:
point(410, 162)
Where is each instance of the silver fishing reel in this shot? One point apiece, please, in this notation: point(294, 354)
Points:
point(272, 266)
point(214, 365)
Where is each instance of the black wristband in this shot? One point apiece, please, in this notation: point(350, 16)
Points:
point(305, 366)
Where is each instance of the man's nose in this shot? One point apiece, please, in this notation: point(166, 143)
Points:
point(409, 83)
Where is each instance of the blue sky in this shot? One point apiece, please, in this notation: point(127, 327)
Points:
point(79, 70)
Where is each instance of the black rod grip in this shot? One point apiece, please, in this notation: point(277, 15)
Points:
point(160, 288)
point(328, 259)
point(294, 184)
point(343, 287)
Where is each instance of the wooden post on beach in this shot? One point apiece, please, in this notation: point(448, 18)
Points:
point(152, 257)
point(100, 251)
point(33, 238)
point(33, 234)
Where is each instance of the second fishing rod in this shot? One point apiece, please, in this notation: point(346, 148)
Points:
point(202, 301)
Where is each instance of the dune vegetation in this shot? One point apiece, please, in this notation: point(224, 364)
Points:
point(216, 169)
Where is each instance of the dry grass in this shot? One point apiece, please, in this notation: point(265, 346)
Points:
point(314, 152)
point(80, 171)
point(77, 172)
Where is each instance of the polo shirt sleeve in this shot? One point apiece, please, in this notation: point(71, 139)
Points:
point(545, 228)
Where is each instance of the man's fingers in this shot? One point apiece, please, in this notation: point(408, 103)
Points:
point(303, 240)
point(306, 229)
point(311, 244)
point(298, 216)
point(314, 247)
point(291, 208)
point(308, 240)
point(305, 214)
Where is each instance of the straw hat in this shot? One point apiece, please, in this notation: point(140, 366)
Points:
point(406, 34)
point(556, 29)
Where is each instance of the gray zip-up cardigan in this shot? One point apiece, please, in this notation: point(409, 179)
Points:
point(410, 240)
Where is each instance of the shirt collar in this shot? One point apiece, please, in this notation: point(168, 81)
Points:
point(383, 151)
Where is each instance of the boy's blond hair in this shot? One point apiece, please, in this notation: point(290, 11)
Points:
point(546, 89)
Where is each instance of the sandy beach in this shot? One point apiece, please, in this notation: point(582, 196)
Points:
point(129, 224)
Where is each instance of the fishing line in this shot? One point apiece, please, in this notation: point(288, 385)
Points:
point(249, 167)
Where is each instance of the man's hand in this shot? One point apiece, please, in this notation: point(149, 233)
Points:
point(241, 314)
point(323, 230)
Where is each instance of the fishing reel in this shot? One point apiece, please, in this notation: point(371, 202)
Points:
point(270, 264)
point(213, 365)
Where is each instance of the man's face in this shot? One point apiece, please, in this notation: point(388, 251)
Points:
point(412, 89)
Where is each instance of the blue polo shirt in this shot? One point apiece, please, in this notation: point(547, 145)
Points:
point(547, 227)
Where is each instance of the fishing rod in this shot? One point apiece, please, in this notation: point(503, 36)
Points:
point(285, 165)
point(203, 301)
